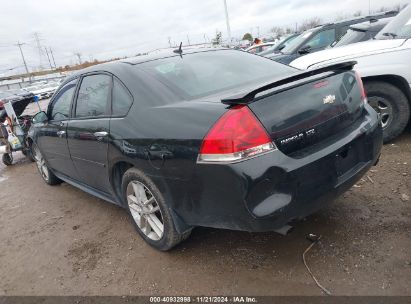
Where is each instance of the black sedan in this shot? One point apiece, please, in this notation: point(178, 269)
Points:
point(211, 137)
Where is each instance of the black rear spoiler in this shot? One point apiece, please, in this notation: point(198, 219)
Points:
point(246, 98)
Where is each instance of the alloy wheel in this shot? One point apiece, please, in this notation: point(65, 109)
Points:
point(384, 107)
point(145, 210)
point(41, 163)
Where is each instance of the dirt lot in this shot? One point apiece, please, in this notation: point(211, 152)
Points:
point(60, 240)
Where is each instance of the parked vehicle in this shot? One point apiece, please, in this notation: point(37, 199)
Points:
point(21, 92)
point(320, 37)
point(6, 96)
point(37, 90)
point(279, 45)
point(258, 48)
point(362, 31)
point(13, 131)
point(385, 67)
point(212, 137)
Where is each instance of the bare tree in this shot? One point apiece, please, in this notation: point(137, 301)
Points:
point(357, 13)
point(309, 24)
point(277, 31)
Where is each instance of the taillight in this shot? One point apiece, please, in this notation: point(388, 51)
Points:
point(362, 89)
point(236, 136)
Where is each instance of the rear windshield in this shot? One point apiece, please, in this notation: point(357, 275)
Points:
point(204, 73)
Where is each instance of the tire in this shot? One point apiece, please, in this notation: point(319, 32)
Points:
point(28, 152)
point(392, 104)
point(47, 175)
point(7, 159)
point(134, 181)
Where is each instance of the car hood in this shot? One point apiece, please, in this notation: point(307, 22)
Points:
point(347, 52)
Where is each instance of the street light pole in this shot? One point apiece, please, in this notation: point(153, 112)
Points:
point(227, 22)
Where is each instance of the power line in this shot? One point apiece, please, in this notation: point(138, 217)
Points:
point(52, 56)
point(48, 57)
point(36, 37)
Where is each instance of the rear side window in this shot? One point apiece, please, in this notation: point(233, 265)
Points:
point(93, 96)
point(60, 109)
point(122, 100)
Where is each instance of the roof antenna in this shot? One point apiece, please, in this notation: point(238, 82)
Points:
point(179, 50)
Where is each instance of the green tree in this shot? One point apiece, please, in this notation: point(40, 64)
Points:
point(248, 36)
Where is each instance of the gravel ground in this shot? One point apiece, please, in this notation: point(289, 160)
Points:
point(62, 241)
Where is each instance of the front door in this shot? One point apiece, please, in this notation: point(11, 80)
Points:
point(52, 137)
point(89, 129)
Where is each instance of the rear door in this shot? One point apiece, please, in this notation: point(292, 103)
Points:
point(88, 130)
point(52, 137)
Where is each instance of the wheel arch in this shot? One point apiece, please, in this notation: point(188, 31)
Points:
point(116, 174)
point(395, 80)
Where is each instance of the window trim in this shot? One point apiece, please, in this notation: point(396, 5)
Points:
point(108, 102)
point(111, 98)
point(56, 95)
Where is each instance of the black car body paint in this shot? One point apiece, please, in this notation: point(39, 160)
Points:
point(162, 133)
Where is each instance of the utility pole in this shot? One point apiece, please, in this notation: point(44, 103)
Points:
point(48, 57)
point(188, 40)
point(227, 22)
point(52, 56)
point(37, 38)
point(22, 56)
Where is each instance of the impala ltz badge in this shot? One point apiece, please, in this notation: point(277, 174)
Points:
point(329, 99)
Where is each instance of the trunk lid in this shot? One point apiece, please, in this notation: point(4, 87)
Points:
point(312, 112)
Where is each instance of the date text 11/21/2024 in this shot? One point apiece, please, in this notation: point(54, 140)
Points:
point(203, 299)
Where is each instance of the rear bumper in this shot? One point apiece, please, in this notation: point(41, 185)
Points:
point(269, 191)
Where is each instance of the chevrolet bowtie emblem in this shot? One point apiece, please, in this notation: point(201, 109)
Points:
point(329, 99)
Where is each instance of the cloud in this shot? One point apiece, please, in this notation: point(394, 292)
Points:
point(105, 28)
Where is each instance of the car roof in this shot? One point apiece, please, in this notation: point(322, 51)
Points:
point(371, 25)
point(159, 54)
point(166, 53)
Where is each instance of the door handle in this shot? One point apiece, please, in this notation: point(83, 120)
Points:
point(100, 135)
point(61, 133)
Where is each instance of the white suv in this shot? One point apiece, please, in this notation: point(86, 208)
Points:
point(385, 67)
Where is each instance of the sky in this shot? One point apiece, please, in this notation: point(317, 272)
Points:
point(103, 29)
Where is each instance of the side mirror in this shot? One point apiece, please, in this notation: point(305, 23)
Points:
point(305, 50)
point(40, 117)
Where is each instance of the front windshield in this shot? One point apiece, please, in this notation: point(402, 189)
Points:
point(296, 42)
point(352, 36)
point(399, 27)
point(273, 47)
